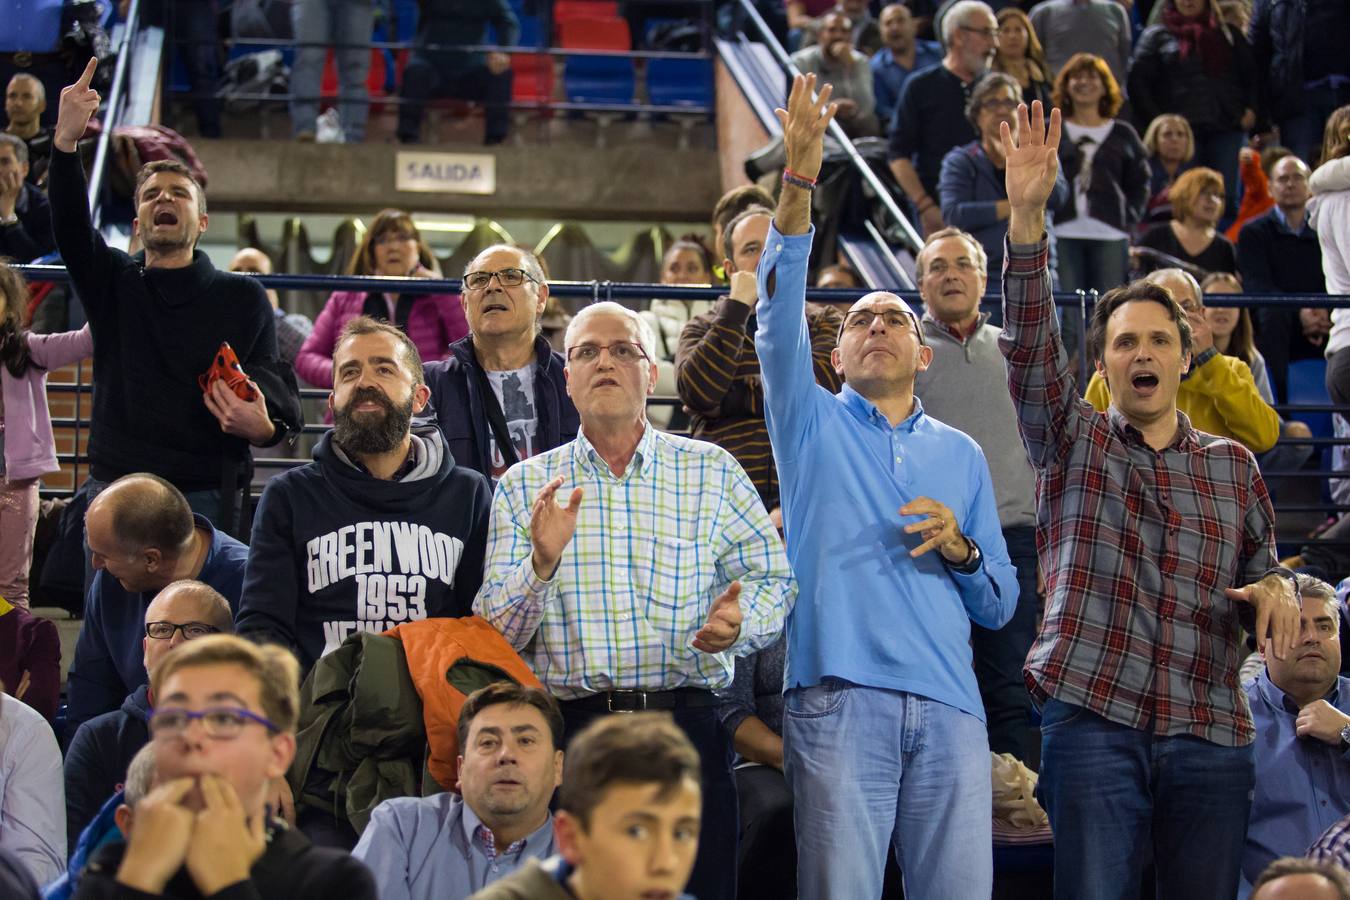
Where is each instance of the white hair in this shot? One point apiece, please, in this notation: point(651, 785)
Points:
point(1158, 276)
point(957, 15)
point(528, 261)
point(609, 308)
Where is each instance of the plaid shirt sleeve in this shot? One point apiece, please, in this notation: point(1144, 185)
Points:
point(1050, 414)
point(512, 597)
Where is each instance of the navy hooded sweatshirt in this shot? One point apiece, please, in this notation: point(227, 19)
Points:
point(99, 756)
point(335, 550)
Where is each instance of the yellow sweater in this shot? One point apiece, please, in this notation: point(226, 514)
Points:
point(1220, 397)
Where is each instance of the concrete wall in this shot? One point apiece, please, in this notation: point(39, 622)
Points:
point(649, 178)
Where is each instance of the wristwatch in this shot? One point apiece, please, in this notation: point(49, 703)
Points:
point(9, 220)
point(1345, 738)
point(972, 562)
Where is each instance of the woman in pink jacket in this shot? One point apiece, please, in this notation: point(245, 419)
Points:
point(29, 450)
point(392, 247)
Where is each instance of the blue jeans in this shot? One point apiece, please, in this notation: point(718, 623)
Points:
point(1119, 797)
point(1086, 265)
point(872, 768)
point(321, 23)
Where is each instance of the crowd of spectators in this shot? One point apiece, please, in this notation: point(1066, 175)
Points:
point(716, 587)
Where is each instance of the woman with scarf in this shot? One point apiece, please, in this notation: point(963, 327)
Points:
point(1196, 65)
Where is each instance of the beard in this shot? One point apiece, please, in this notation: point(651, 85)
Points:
point(367, 433)
point(168, 243)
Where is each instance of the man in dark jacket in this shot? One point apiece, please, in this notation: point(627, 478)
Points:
point(25, 214)
point(158, 320)
point(1302, 67)
point(382, 528)
point(143, 537)
point(101, 751)
point(504, 295)
point(468, 75)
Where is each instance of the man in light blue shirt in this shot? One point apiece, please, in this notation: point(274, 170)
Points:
point(893, 534)
point(1301, 710)
point(448, 847)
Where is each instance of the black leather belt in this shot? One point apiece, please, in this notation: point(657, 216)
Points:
point(636, 701)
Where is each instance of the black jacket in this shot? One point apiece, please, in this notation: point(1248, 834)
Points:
point(457, 397)
point(155, 331)
point(31, 236)
point(1160, 82)
point(98, 758)
point(1276, 33)
point(291, 868)
point(1118, 193)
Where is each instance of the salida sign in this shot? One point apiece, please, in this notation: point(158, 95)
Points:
point(446, 173)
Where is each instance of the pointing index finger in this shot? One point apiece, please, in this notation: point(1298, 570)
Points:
point(87, 76)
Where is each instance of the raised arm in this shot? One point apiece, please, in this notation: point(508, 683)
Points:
point(782, 340)
point(1048, 412)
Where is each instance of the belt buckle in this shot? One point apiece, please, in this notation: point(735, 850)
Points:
point(23, 59)
point(609, 702)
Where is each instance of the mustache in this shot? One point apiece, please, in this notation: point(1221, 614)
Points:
point(369, 395)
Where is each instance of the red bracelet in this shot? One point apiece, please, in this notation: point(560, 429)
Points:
point(791, 174)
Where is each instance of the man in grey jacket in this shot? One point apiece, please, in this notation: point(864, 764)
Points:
point(966, 387)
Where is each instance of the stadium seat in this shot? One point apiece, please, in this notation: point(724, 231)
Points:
point(533, 82)
point(584, 9)
point(680, 82)
point(1307, 385)
point(593, 33)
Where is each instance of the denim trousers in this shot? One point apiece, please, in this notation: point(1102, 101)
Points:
point(871, 769)
point(321, 23)
point(1120, 797)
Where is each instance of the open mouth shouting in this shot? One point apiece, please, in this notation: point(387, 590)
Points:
point(1145, 384)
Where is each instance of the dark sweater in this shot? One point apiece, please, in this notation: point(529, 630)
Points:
point(457, 396)
point(1275, 260)
point(156, 330)
point(99, 756)
point(1219, 256)
point(109, 657)
point(1161, 82)
point(1119, 189)
point(291, 868)
point(930, 120)
point(336, 550)
point(33, 645)
point(31, 236)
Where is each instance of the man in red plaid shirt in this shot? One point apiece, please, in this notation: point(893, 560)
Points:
point(1157, 543)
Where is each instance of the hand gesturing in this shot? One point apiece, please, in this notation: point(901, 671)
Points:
point(552, 526)
point(1033, 160)
point(78, 104)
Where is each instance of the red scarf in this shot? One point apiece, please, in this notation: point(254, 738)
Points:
point(1199, 34)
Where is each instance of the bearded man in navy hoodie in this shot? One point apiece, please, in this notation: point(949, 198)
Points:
point(381, 529)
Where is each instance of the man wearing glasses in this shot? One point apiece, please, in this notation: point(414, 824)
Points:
point(99, 754)
point(661, 567)
point(223, 729)
point(501, 395)
point(896, 550)
point(930, 117)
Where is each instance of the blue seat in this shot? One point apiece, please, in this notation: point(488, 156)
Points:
point(1307, 384)
point(680, 82)
point(531, 35)
point(598, 79)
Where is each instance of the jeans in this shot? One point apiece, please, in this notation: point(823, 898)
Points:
point(426, 77)
point(714, 875)
point(197, 42)
point(871, 768)
point(1219, 150)
point(767, 863)
point(1000, 655)
point(1086, 265)
point(203, 503)
point(1119, 797)
point(321, 23)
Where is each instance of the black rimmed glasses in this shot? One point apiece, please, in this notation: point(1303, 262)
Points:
point(477, 281)
point(164, 631)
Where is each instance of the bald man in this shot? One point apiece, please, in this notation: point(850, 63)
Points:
point(102, 748)
point(143, 536)
point(25, 102)
point(895, 554)
point(292, 328)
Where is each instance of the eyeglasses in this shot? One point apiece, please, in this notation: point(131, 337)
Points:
point(394, 237)
point(990, 33)
point(893, 318)
point(164, 631)
point(994, 104)
point(623, 352)
point(477, 281)
point(222, 723)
